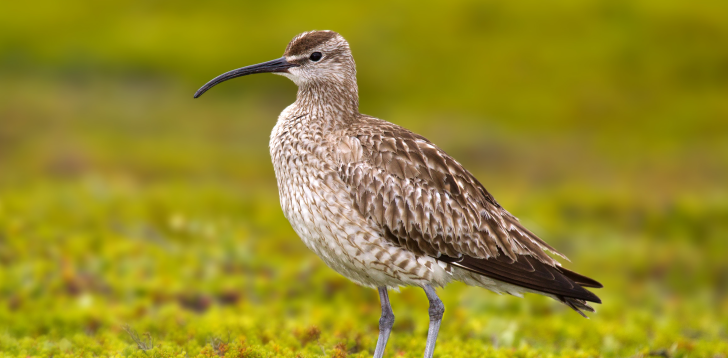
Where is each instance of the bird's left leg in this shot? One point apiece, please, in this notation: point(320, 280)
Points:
point(437, 309)
point(385, 322)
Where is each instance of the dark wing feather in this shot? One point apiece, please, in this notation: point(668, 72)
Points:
point(527, 272)
point(582, 280)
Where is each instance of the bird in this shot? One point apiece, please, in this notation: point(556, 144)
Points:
point(384, 206)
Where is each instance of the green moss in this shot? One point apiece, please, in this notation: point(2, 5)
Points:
point(192, 283)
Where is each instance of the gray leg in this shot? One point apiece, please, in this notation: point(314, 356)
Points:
point(385, 323)
point(436, 311)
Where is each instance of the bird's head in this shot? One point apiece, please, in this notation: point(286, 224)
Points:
point(312, 59)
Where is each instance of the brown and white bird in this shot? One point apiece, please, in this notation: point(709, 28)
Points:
point(386, 207)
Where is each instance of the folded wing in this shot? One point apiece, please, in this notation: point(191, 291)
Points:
point(424, 200)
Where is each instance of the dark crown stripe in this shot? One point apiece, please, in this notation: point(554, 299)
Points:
point(308, 42)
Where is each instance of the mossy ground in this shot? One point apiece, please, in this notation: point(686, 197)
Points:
point(137, 222)
point(214, 270)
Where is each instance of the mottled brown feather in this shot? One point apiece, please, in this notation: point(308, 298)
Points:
point(432, 205)
point(427, 192)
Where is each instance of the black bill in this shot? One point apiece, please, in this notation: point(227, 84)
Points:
point(277, 65)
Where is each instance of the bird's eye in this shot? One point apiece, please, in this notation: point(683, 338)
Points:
point(315, 56)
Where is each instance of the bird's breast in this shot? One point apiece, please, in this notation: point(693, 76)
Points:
point(308, 185)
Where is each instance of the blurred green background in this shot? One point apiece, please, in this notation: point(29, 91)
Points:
point(128, 208)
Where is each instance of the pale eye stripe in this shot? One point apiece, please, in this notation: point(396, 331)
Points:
point(295, 58)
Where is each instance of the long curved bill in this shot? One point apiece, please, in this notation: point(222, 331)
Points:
point(277, 65)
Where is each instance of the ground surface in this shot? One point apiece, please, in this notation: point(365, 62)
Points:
point(213, 270)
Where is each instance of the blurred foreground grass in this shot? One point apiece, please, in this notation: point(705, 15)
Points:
point(128, 209)
point(194, 264)
point(197, 265)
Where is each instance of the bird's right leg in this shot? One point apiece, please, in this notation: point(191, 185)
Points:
point(385, 322)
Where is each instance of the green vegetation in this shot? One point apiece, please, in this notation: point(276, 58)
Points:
point(138, 222)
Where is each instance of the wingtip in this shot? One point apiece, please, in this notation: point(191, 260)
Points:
point(580, 279)
point(590, 296)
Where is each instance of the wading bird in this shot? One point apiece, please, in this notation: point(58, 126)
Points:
point(384, 206)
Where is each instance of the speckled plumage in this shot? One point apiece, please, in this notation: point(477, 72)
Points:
point(377, 202)
point(384, 206)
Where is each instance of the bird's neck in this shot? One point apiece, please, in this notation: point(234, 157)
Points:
point(335, 100)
